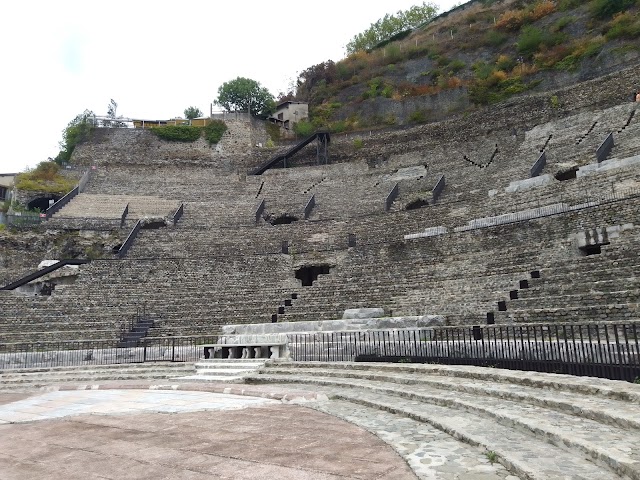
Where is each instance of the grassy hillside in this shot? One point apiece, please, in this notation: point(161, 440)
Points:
point(480, 53)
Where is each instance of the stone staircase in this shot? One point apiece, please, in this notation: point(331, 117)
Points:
point(538, 426)
point(225, 370)
point(28, 379)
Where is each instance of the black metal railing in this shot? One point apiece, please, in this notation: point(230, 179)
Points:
point(605, 149)
point(539, 165)
point(122, 251)
point(44, 271)
point(608, 350)
point(178, 214)
point(86, 176)
point(56, 207)
point(393, 194)
point(123, 217)
point(437, 190)
point(308, 208)
point(100, 352)
point(21, 218)
point(260, 209)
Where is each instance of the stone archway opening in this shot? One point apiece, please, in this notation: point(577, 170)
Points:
point(595, 249)
point(566, 175)
point(309, 273)
point(42, 203)
point(284, 219)
point(416, 204)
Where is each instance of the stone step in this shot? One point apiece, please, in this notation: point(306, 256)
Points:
point(569, 419)
point(36, 378)
point(431, 453)
point(522, 453)
point(617, 413)
point(225, 370)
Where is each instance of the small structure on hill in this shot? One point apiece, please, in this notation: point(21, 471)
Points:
point(6, 182)
point(289, 112)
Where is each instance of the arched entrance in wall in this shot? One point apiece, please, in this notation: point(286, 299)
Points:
point(42, 203)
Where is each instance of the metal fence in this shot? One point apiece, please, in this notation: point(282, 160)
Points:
point(604, 350)
point(539, 165)
point(260, 209)
point(22, 218)
point(123, 217)
point(437, 190)
point(605, 149)
point(308, 208)
point(393, 194)
point(178, 213)
point(100, 352)
point(122, 251)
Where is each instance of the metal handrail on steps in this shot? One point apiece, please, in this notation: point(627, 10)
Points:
point(124, 248)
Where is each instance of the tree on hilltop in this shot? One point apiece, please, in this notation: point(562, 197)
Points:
point(245, 95)
point(390, 25)
point(76, 131)
point(192, 112)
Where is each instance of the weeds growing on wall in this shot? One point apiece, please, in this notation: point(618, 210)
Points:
point(187, 133)
point(214, 130)
point(515, 41)
point(45, 178)
point(178, 133)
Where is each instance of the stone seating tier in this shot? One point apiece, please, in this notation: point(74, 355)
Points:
point(554, 416)
point(218, 248)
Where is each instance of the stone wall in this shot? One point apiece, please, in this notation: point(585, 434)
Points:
point(114, 146)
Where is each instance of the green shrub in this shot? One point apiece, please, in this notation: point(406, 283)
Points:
point(304, 128)
point(495, 38)
point(358, 143)
point(505, 63)
point(607, 8)
point(564, 5)
point(570, 63)
point(482, 70)
point(178, 133)
point(624, 25)
point(273, 131)
point(214, 130)
point(530, 40)
point(418, 116)
point(456, 65)
point(561, 24)
point(45, 178)
point(338, 127)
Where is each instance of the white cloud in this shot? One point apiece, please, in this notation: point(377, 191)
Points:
point(155, 58)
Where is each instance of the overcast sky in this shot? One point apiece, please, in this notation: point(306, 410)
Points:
point(155, 58)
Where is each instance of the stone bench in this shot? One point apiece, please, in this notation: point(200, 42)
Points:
point(246, 349)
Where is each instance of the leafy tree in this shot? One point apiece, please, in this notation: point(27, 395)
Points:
point(192, 112)
point(76, 131)
point(245, 95)
point(391, 25)
point(312, 81)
